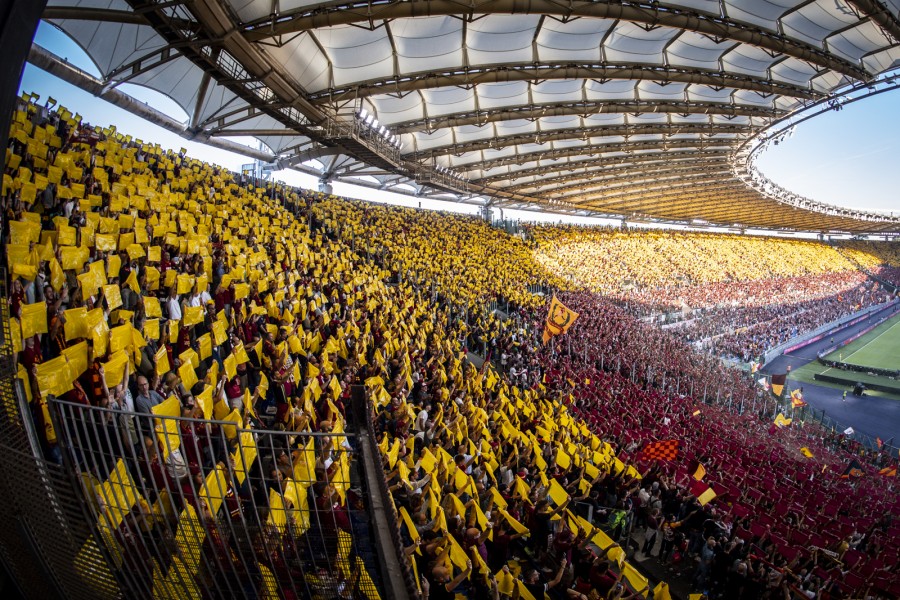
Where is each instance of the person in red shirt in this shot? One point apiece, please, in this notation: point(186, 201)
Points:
point(16, 298)
point(31, 354)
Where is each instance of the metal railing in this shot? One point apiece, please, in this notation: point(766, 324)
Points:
point(830, 428)
point(184, 507)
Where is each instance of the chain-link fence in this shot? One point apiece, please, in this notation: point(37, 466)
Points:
point(185, 507)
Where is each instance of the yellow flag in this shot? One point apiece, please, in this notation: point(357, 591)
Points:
point(114, 368)
point(57, 277)
point(637, 581)
point(187, 375)
point(162, 361)
point(113, 296)
point(151, 329)
point(514, 523)
point(230, 364)
point(557, 493)
point(312, 370)
point(219, 333)
point(559, 319)
point(427, 461)
point(393, 453)
point(53, 377)
point(506, 583)
point(661, 591)
point(335, 387)
point(34, 319)
point(240, 354)
point(151, 307)
point(192, 315)
point(204, 343)
point(206, 401)
point(77, 359)
point(457, 555)
point(132, 282)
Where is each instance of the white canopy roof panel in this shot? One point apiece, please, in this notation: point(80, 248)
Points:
point(515, 97)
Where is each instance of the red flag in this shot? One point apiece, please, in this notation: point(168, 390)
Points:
point(664, 450)
point(778, 382)
point(702, 491)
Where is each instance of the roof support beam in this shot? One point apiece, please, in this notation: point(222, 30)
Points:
point(585, 109)
point(254, 132)
point(626, 192)
point(103, 15)
point(651, 202)
point(684, 205)
point(633, 176)
point(602, 165)
point(879, 14)
point(612, 174)
point(679, 203)
point(505, 73)
point(583, 133)
point(361, 12)
point(53, 64)
point(144, 64)
point(486, 165)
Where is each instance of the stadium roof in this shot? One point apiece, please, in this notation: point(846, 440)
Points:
point(646, 110)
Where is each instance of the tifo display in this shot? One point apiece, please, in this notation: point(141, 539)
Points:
point(210, 352)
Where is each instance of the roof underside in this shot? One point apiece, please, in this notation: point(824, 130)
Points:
point(590, 107)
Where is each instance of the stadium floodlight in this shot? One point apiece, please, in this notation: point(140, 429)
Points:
point(362, 114)
point(368, 120)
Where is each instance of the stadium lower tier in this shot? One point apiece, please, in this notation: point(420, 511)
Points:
point(250, 403)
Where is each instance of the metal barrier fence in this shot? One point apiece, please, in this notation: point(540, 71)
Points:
point(183, 507)
point(41, 533)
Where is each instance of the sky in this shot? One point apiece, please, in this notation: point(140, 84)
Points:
point(847, 158)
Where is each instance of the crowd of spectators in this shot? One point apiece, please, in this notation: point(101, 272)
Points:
point(736, 296)
point(745, 332)
point(889, 274)
point(612, 260)
point(869, 254)
point(146, 286)
point(784, 523)
point(609, 360)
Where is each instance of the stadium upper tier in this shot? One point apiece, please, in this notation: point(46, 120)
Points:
point(605, 108)
point(610, 260)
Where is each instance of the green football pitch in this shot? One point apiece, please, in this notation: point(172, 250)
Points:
point(879, 348)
